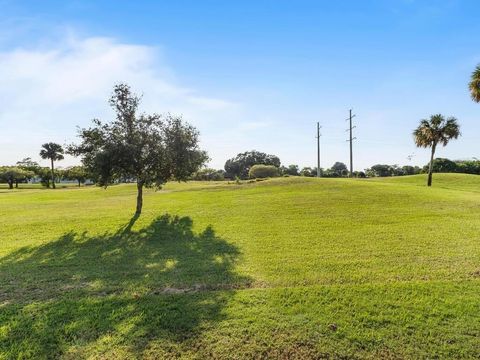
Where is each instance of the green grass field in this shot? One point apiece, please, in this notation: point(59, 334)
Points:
point(288, 268)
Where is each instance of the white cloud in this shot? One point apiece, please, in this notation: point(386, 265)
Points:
point(46, 92)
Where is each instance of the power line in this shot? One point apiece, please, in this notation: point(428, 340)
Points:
point(351, 138)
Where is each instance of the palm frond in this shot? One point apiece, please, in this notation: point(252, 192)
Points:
point(436, 130)
point(474, 85)
point(52, 151)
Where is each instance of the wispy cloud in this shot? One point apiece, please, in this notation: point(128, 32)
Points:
point(47, 91)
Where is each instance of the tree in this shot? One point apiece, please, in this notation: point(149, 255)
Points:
point(77, 173)
point(150, 149)
point(468, 166)
point(292, 170)
point(397, 170)
point(307, 172)
point(380, 170)
point(410, 170)
point(359, 174)
point(444, 165)
point(474, 84)
point(28, 164)
point(45, 174)
point(241, 164)
point(339, 169)
point(434, 131)
point(13, 175)
point(54, 152)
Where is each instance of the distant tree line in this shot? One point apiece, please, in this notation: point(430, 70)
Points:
point(455, 166)
point(383, 170)
point(239, 167)
point(27, 170)
point(208, 174)
point(255, 164)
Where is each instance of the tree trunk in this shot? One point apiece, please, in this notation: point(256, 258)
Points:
point(53, 174)
point(430, 167)
point(16, 184)
point(10, 184)
point(78, 183)
point(139, 197)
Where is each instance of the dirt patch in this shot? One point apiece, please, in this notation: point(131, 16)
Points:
point(5, 303)
point(68, 287)
point(476, 273)
point(173, 290)
point(199, 288)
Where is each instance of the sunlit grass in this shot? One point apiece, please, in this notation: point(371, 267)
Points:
point(285, 268)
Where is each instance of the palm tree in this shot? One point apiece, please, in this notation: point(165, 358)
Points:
point(474, 84)
point(54, 152)
point(436, 130)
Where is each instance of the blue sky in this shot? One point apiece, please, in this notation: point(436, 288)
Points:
point(248, 74)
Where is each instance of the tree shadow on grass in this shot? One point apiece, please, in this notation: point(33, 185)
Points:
point(116, 294)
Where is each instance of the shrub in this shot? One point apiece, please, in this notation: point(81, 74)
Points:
point(444, 165)
point(459, 166)
point(308, 171)
point(468, 166)
point(359, 174)
point(338, 169)
point(263, 171)
point(208, 174)
point(380, 170)
point(411, 170)
point(292, 170)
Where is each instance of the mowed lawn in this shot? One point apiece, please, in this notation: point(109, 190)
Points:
point(288, 268)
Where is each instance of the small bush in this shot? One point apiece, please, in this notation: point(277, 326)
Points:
point(263, 171)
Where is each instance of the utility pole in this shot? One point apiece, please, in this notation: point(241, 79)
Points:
point(319, 173)
point(351, 138)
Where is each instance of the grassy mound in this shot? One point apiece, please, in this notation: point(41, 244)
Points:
point(443, 181)
point(284, 268)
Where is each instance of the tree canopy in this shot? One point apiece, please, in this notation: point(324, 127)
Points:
point(292, 170)
point(28, 164)
point(77, 173)
point(474, 85)
point(240, 165)
point(14, 174)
